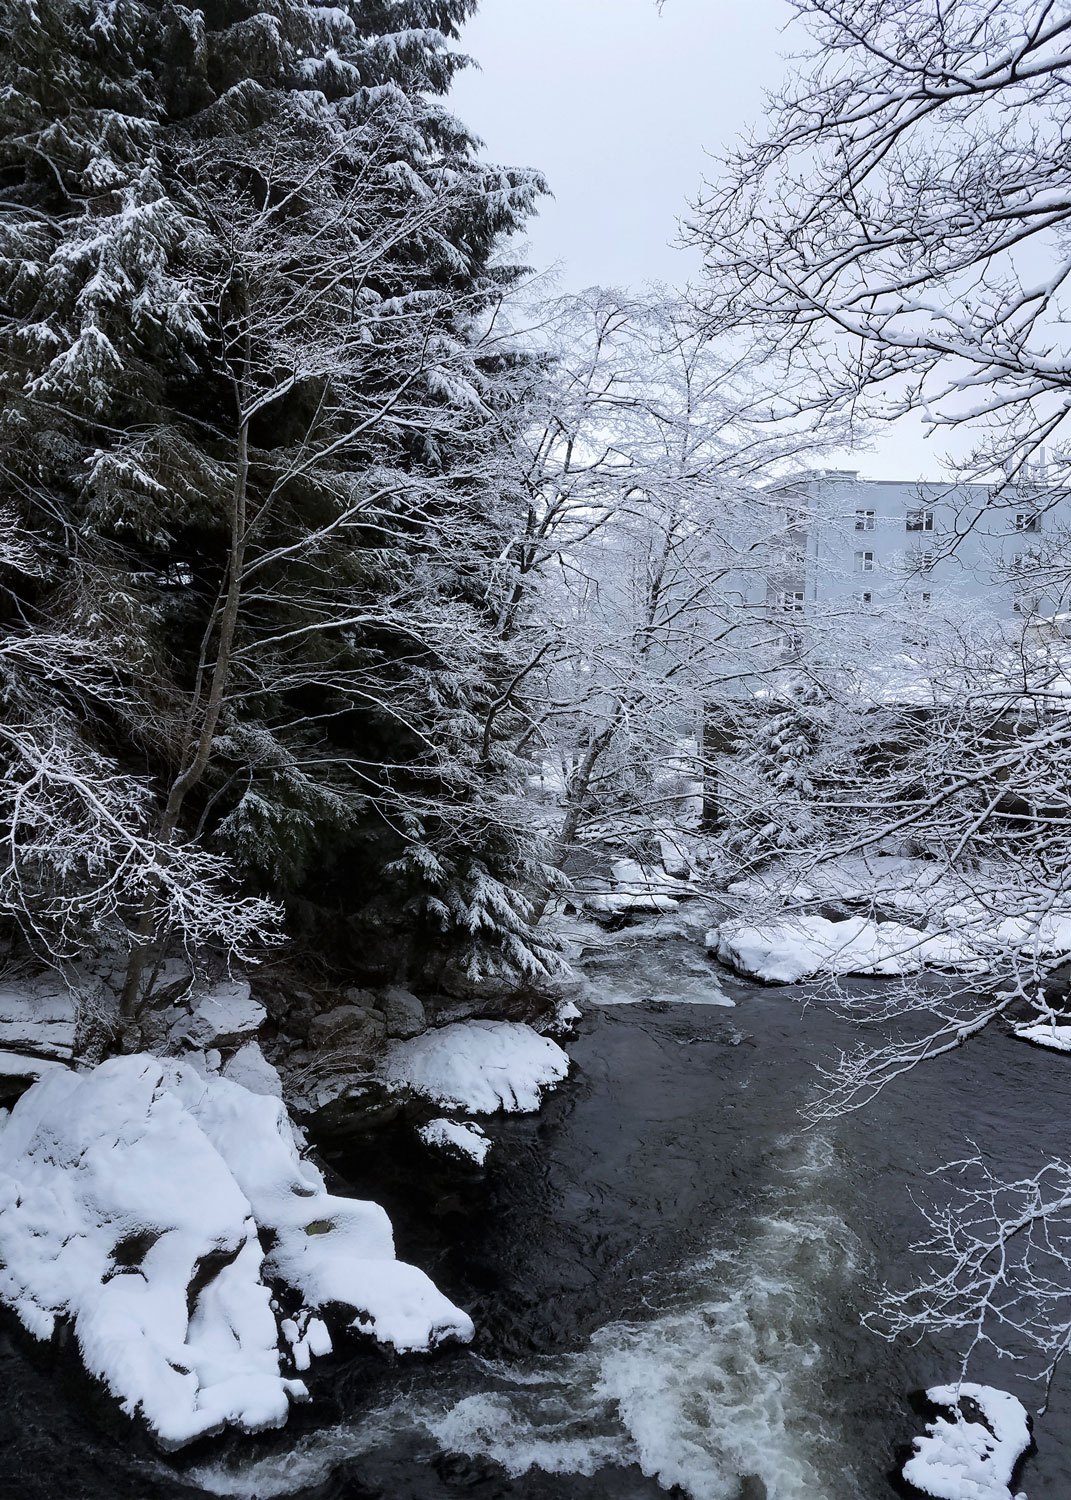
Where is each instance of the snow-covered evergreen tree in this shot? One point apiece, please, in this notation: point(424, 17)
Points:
point(251, 424)
point(775, 797)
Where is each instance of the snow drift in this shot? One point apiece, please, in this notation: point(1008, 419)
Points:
point(134, 1203)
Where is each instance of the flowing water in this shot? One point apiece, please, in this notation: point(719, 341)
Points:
point(667, 1277)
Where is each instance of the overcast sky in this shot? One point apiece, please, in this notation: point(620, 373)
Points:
point(621, 107)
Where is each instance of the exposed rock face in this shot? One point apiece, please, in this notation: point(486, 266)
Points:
point(250, 1068)
point(404, 1012)
point(350, 1026)
point(38, 1018)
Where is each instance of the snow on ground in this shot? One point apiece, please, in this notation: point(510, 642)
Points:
point(1046, 1034)
point(131, 1197)
point(973, 1455)
point(478, 1066)
point(455, 1139)
point(802, 946)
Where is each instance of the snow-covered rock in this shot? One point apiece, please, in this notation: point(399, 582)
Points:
point(621, 903)
point(18, 1065)
point(674, 856)
point(637, 889)
point(250, 1068)
point(911, 887)
point(224, 1016)
point(479, 1067)
point(456, 1139)
point(131, 1198)
point(1046, 1034)
point(802, 946)
point(38, 1017)
point(971, 1454)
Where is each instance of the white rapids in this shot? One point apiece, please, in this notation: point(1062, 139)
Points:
point(718, 1392)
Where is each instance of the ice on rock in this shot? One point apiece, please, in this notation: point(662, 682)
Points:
point(479, 1067)
point(970, 1454)
point(456, 1139)
point(801, 946)
point(131, 1197)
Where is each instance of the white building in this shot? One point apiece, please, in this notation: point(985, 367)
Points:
point(872, 546)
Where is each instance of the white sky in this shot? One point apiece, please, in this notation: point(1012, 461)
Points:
point(618, 105)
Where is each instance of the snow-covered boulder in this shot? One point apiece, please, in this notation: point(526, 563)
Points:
point(1046, 1034)
point(637, 890)
point(674, 857)
point(133, 1201)
point(452, 1138)
point(803, 946)
point(971, 1453)
point(479, 1067)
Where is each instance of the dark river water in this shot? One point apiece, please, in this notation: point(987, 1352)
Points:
point(667, 1276)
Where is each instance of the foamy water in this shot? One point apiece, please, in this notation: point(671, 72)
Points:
point(717, 1390)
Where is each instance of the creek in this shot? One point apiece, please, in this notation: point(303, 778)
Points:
point(666, 1272)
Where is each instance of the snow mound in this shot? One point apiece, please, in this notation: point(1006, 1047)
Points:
point(803, 946)
point(973, 1455)
point(478, 1066)
point(133, 1202)
point(911, 887)
point(455, 1139)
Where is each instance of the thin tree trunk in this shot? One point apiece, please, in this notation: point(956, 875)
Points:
point(196, 762)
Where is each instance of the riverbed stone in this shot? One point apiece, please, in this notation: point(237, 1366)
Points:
point(404, 1012)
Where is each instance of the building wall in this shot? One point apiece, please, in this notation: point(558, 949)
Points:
point(849, 538)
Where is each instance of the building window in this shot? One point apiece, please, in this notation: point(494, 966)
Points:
point(923, 600)
point(920, 520)
point(865, 600)
point(1027, 520)
point(923, 562)
point(864, 520)
point(792, 600)
point(864, 562)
